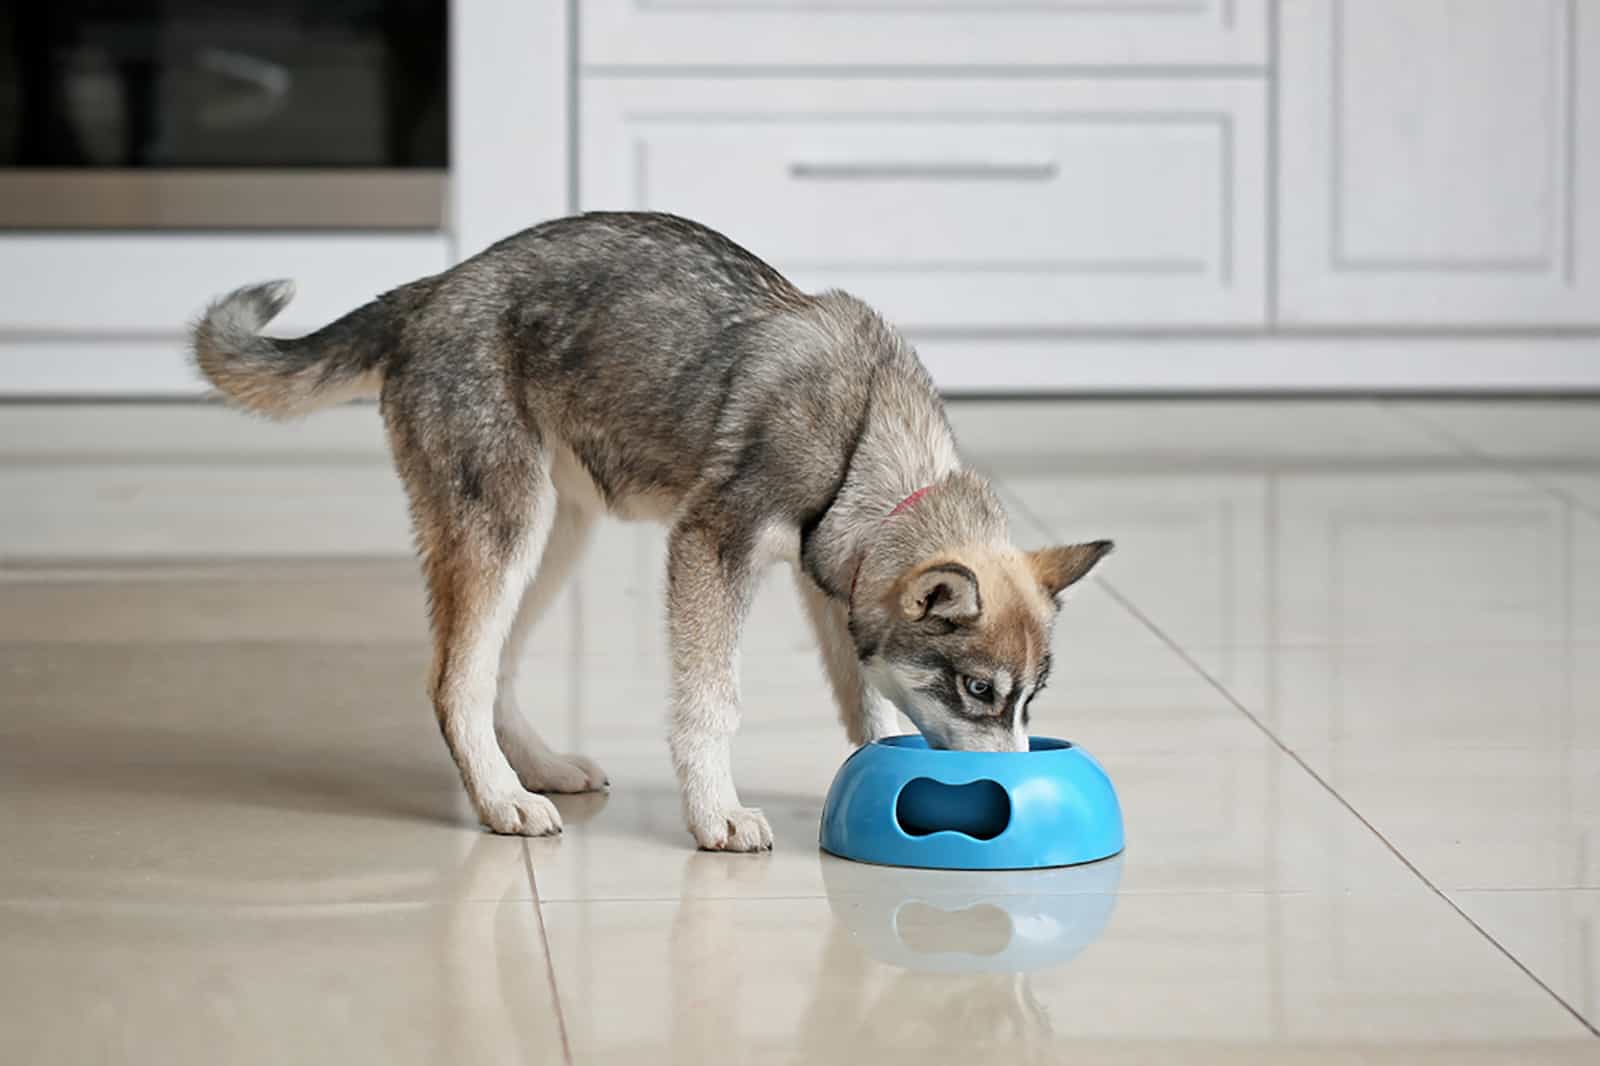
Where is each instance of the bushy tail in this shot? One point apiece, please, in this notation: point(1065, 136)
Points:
point(288, 378)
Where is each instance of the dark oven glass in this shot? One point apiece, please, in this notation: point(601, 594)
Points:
point(341, 90)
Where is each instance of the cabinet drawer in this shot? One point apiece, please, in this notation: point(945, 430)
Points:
point(1438, 168)
point(959, 203)
point(144, 284)
point(840, 33)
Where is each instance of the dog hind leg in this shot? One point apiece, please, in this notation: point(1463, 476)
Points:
point(483, 504)
point(540, 768)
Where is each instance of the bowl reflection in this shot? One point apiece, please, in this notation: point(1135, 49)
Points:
point(972, 921)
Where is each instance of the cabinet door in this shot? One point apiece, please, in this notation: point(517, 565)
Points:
point(951, 203)
point(898, 33)
point(1438, 162)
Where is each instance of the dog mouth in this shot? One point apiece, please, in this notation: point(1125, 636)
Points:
point(974, 741)
point(936, 738)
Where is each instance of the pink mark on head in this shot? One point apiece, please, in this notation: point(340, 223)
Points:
point(911, 500)
point(904, 505)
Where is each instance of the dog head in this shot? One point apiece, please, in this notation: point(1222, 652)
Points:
point(960, 639)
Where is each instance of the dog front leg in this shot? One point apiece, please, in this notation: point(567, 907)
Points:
point(865, 715)
point(709, 585)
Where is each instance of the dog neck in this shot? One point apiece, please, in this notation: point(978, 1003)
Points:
point(905, 445)
point(900, 508)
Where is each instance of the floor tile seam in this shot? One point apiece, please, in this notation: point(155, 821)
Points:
point(1366, 644)
point(549, 954)
point(1161, 635)
point(1354, 812)
point(26, 569)
point(248, 908)
point(413, 649)
point(211, 908)
point(1504, 465)
point(934, 894)
point(1490, 890)
point(1222, 466)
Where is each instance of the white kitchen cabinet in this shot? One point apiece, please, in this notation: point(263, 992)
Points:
point(78, 286)
point(911, 33)
point(1438, 162)
point(88, 314)
point(510, 117)
point(106, 314)
point(1049, 195)
point(960, 202)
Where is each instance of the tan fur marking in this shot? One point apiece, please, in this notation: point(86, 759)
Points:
point(1016, 616)
point(1059, 567)
point(942, 589)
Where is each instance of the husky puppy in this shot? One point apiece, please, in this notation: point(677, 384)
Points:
point(645, 366)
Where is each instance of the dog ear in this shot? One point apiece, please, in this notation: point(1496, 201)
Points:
point(1058, 568)
point(946, 590)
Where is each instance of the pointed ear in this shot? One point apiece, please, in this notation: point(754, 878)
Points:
point(1057, 568)
point(941, 590)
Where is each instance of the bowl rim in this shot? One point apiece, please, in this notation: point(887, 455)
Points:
point(1037, 745)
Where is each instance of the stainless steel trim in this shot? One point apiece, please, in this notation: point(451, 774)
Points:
point(222, 199)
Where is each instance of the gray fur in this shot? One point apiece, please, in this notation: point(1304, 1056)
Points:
point(645, 365)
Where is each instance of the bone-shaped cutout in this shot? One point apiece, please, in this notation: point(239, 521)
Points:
point(978, 809)
point(977, 929)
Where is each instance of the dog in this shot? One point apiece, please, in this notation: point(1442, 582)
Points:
point(644, 366)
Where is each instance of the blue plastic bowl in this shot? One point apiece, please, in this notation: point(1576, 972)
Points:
point(897, 802)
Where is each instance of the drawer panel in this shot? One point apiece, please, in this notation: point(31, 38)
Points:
point(1438, 168)
point(836, 33)
point(959, 204)
point(88, 284)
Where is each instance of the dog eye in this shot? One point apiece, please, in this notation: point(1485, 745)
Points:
point(978, 689)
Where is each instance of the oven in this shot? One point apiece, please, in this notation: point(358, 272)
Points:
point(223, 114)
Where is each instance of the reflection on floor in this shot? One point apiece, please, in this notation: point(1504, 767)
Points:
point(1344, 668)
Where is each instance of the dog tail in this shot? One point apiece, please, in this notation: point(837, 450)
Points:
point(288, 378)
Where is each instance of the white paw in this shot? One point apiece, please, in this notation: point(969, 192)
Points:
point(520, 814)
point(562, 773)
point(735, 829)
point(594, 777)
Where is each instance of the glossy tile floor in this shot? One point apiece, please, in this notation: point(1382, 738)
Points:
point(1345, 669)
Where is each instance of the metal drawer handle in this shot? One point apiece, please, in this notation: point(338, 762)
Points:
point(923, 171)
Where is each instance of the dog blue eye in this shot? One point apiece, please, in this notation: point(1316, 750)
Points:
point(977, 689)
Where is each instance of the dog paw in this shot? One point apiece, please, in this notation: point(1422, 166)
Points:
point(735, 829)
point(520, 814)
point(563, 773)
point(594, 778)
